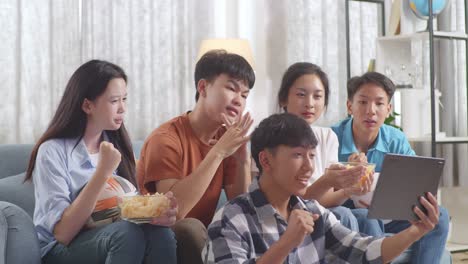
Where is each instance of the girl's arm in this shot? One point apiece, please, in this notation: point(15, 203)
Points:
point(75, 216)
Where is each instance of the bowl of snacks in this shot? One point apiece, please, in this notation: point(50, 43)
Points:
point(370, 167)
point(143, 208)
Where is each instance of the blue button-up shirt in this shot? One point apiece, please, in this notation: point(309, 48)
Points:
point(246, 227)
point(389, 140)
point(62, 169)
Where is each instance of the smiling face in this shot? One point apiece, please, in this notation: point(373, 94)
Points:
point(369, 107)
point(306, 98)
point(289, 168)
point(223, 95)
point(107, 111)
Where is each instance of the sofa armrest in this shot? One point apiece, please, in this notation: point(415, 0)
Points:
point(13, 190)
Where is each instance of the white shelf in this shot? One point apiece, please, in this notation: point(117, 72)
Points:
point(454, 35)
point(439, 139)
point(425, 34)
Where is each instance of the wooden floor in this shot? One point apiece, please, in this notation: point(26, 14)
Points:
point(460, 258)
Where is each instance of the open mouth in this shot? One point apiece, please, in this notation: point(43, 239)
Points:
point(232, 111)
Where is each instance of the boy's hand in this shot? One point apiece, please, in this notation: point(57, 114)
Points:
point(169, 217)
point(426, 222)
point(109, 158)
point(234, 137)
point(358, 157)
point(300, 224)
point(340, 177)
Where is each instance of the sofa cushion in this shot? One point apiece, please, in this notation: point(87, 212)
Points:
point(14, 158)
point(137, 145)
point(13, 190)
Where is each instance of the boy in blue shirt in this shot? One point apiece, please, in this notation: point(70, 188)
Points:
point(364, 137)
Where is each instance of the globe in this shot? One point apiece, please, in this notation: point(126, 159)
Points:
point(421, 7)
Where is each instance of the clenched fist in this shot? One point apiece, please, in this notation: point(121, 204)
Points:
point(109, 158)
point(300, 224)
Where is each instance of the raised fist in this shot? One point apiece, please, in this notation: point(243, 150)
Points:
point(109, 158)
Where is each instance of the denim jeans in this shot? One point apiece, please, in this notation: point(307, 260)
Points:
point(427, 250)
point(119, 242)
point(346, 217)
point(18, 239)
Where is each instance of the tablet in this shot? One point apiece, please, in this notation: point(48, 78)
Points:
point(402, 180)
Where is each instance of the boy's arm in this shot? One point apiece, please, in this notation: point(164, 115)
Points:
point(301, 223)
point(242, 174)
point(227, 245)
point(396, 244)
point(190, 189)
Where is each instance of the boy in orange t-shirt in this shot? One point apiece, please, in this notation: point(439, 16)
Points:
point(197, 154)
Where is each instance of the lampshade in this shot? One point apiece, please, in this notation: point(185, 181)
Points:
point(237, 46)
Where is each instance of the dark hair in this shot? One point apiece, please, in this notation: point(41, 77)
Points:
point(296, 71)
point(281, 129)
point(216, 62)
point(355, 83)
point(89, 81)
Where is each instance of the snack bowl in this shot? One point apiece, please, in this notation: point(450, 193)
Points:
point(367, 198)
point(143, 208)
point(370, 167)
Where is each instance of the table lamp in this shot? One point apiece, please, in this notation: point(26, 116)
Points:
point(237, 46)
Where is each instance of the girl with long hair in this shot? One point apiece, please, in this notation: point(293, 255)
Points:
point(81, 166)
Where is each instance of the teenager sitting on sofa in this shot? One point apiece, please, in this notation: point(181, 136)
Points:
point(365, 137)
point(80, 166)
point(272, 224)
point(201, 152)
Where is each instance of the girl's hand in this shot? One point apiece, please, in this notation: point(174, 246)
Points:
point(340, 177)
point(362, 188)
point(109, 158)
point(169, 217)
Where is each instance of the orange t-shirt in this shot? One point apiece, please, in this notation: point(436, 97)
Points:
point(173, 151)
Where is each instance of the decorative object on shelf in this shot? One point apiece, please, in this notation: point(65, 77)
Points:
point(394, 26)
point(421, 8)
point(237, 46)
point(390, 120)
point(371, 66)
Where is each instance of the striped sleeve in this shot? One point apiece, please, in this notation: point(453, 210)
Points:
point(349, 245)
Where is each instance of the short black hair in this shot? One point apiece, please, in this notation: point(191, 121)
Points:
point(216, 62)
point(355, 83)
point(281, 129)
point(296, 71)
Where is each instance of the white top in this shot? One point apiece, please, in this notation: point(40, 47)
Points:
point(326, 150)
point(94, 159)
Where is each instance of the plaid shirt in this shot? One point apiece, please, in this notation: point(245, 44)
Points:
point(244, 229)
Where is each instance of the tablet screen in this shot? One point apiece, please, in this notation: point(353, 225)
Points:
point(403, 179)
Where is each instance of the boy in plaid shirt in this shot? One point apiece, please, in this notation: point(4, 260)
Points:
point(271, 224)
